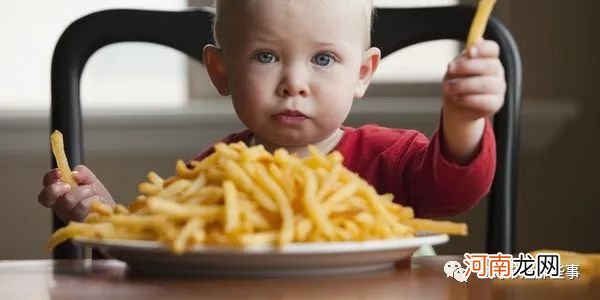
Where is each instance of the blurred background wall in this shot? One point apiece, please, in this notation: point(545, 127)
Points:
point(559, 165)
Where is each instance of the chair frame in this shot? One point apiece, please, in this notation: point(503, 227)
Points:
point(405, 27)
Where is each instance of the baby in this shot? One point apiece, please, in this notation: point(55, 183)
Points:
point(293, 68)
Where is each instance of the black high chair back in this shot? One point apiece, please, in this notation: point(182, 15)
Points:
point(188, 31)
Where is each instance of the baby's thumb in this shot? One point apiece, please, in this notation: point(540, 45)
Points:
point(83, 175)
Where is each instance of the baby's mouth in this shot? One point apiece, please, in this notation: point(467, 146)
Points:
point(290, 117)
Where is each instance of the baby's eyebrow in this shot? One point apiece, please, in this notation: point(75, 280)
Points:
point(269, 38)
point(335, 45)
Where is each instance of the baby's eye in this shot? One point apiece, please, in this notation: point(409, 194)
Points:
point(323, 59)
point(264, 57)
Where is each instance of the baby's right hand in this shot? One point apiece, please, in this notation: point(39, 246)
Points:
point(73, 204)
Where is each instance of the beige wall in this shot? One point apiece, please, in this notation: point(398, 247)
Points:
point(558, 198)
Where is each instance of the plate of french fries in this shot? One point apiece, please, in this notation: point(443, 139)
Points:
point(245, 211)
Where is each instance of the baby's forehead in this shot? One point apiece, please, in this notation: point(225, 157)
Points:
point(363, 7)
point(223, 4)
point(320, 11)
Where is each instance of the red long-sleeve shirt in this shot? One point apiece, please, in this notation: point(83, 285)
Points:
point(414, 169)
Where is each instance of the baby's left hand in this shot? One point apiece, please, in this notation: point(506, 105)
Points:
point(474, 84)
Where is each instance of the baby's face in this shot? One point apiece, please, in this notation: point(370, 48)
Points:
point(294, 67)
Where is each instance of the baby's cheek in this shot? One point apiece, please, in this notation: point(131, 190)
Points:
point(335, 113)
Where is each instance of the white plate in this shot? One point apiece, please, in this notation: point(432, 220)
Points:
point(300, 259)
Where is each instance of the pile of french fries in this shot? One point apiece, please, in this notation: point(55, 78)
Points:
point(246, 196)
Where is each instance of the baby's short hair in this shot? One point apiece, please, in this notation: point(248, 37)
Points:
point(369, 10)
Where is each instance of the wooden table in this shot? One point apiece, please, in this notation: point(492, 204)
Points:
point(421, 278)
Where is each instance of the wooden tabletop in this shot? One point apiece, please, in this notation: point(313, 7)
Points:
point(421, 278)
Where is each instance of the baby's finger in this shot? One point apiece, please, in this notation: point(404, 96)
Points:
point(48, 196)
point(484, 48)
point(68, 201)
point(476, 66)
point(53, 176)
point(474, 85)
point(83, 175)
point(481, 104)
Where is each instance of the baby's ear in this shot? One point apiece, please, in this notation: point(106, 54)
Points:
point(213, 60)
point(369, 64)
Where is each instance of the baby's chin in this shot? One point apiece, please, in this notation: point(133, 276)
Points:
point(290, 139)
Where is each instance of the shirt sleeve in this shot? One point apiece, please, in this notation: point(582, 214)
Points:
point(439, 187)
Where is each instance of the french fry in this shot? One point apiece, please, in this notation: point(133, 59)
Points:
point(318, 158)
point(72, 230)
point(175, 188)
point(249, 211)
point(241, 178)
point(121, 210)
point(149, 189)
point(193, 188)
point(186, 234)
point(155, 179)
point(482, 15)
point(227, 152)
point(113, 233)
point(101, 208)
point(135, 222)
point(232, 211)
point(182, 170)
point(58, 149)
point(587, 262)
point(287, 215)
point(327, 186)
point(179, 211)
point(340, 195)
point(207, 195)
point(261, 238)
point(312, 207)
point(302, 228)
point(438, 226)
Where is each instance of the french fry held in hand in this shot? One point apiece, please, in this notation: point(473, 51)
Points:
point(58, 149)
point(242, 196)
point(482, 16)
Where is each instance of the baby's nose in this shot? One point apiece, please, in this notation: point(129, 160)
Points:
point(294, 82)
